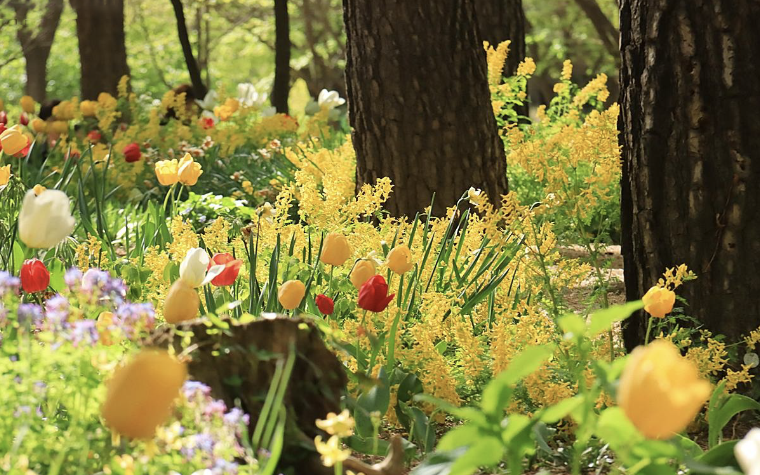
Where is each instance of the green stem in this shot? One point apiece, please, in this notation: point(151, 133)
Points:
point(649, 329)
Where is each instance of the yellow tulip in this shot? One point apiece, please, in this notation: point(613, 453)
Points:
point(659, 301)
point(182, 302)
point(39, 125)
point(27, 104)
point(88, 108)
point(64, 111)
point(141, 394)
point(38, 189)
point(335, 249)
point(60, 126)
point(167, 172)
point(13, 140)
point(5, 175)
point(400, 259)
point(189, 170)
point(291, 293)
point(363, 271)
point(661, 391)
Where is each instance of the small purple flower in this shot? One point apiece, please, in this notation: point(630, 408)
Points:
point(8, 283)
point(235, 417)
point(215, 407)
point(204, 443)
point(223, 467)
point(84, 331)
point(133, 316)
point(192, 388)
point(73, 278)
point(29, 313)
point(57, 311)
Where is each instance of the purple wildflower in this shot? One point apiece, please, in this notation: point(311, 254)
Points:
point(8, 283)
point(192, 388)
point(57, 311)
point(84, 331)
point(29, 313)
point(73, 278)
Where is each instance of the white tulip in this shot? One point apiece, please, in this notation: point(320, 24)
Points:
point(747, 452)
point(249, 96)
point(194, 266)
point(312, 108)
point(45, 220)
point(330, 99)
point(209, 101)
point(268, 112)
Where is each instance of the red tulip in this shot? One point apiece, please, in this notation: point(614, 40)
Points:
point(34, 276)
point(132, 153)
point(3, 119)
point(24, 151)
point(373, 295)
point(325, 304)
point(231, 269)
point(23, 119)
point(94, 136)
point(207, 122)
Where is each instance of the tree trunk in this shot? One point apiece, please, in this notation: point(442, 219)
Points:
point(501, 20)
point(419, 102)
point(102, 51)
point(199, 89)
point(691, 155)
point(36, 47)
point(603, 26)
point(281, 86)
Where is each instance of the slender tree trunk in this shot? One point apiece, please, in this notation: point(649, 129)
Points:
point(691, 155)
point(603, 26)
point(199, 89)
point(419, 102)
point(501, 20)
point(102, 49)
point(281, 56)
point(36, 46)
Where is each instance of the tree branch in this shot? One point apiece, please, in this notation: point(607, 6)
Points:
point(199, 89)
point(603, 26)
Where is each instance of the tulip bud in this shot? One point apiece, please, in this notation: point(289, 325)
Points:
point(373, 295)
point(132, 153)
point(167, 172)
point(182, 302)
point(141, 394)
point(5, 175)
point(661, 391)
point(362, 272)
point(34, 276)
point(3, 117)
point(291, 293)
point(335, 249)
point(13, 140)
point(94, 136)
point(39, 125)
point(189, 171)
point(325, 304)
point(194, 266)
point(45, 220)
point(747, 452)
point(659, 301)
point(400, 259)
point(27, 104)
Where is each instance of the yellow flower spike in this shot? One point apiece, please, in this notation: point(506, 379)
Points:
point(330, 451)
point(661, 391)
point(60, 126)
point(335, 250)
point(400, 259)
point(189, 170)
point(39, 125)
point(141, 393)
point(88, 108)
point(167, 172)
point(341, 424)
point(291, 293)
point(659, 301)
point(362, 272)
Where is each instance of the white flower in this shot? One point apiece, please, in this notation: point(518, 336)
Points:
point(268, 111)
point(45, 220)
point(312, 107)
point(249, 96)
point(194, 266)
point(475, 195)
point(330, 99)
point(747, 452)
point(209, 101)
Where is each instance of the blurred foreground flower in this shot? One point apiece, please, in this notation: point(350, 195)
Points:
point(13, 140)
point(747, 452)
point(341, 424)
point(330, 451)
point(45, 220)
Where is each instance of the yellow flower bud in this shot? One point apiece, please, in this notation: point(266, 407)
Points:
point(400, 259)
point(5, 175)
point(27, 104)
point(141, 394)
point(659, 301)
point(291, 293)
point(182, 302)
point(661, 391)
point(60, 126)
point(335, 249)
point(167, 172)
point(39, 125)
point(38, 189)
point(363, 271)
point(13, 140)
point(88, 108)
point(189, 170)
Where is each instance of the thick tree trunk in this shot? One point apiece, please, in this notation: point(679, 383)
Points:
point(36, 43)
point(199, 89)
point(501, 20)
point(419, 102)
point(102, 51)
point(691, 155)
point(281, 86)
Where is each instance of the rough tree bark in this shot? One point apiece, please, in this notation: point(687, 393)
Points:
point(691, 155)
point(501, 20)
point(199, 89)
point(419, 102)
point(102, 50)
point(36, 43)
point(281, 86)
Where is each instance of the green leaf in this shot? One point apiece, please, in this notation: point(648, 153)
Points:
point(603, 319)
point(720, 456)
point(484, 452)
point(726, 409)
point(57, 273)
point(498, 392)
point(461, 436)
point(559, 411)
point(573, 326)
